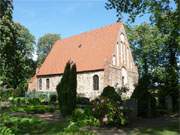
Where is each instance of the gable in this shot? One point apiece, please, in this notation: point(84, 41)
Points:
point(90, 51)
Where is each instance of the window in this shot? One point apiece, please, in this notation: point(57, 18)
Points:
point(47, 83)
point(96, 82)
point(114, 60)
point(122, 38)
point(40, 84)
point(122, 80)
point(124, 76)
point(117, 54)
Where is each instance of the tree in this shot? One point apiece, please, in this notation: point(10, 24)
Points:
point(146, 43)
point(165, 14)
point(8, 46)
point(26, 40)
point(44, 45)
point(16, 46)
point(66, 89)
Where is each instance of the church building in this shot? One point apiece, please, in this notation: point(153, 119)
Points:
point(103, 57)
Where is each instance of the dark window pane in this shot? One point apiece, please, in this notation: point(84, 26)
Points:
point(40, 84)
point(96, 82)
point(47, 83)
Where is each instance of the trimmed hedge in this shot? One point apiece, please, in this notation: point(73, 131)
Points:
point(109, 92)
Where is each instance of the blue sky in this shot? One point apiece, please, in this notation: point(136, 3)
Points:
point(65, 17)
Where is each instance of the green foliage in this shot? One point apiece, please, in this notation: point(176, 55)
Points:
point(146, 99)
point(159, 46)
point(83, 101)
point(5, 94)
point(84, 117)
point(20, 125)
point(16, 48)
point(44, 45)
point(66, 90)
point(81, 118)
point(109, 92)
point(44, 97)
point(108, 112)
point(40, 109)
point(6, 8)
point(5, 131)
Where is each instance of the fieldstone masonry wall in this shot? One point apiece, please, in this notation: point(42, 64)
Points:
point(84, 83)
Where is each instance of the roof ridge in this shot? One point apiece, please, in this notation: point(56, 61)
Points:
point(92, 30)
point(86, 58)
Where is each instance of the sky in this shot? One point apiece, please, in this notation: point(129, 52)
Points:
point(64, 17)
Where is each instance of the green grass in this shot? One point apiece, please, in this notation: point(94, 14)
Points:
point(171, 129)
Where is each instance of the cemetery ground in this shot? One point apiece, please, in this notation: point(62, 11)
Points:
point(49, 122)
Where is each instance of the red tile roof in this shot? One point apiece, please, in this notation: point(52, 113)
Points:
point(89, 50)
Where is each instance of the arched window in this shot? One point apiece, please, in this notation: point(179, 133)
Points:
point(47, 83)
point(96, 82)
point(122, 38)
point(40, 84)
point(122, 80)
point(114, 60)
point(124, 76)
point(117, 53)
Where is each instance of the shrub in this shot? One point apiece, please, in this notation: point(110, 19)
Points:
point(108, 112)
point(145, 99)
point(20, 125)
point(83, 101)
point(109, 92)
point(21, 89)
point(6, 93)
point(84, 117)
point(66, 90)
point(34, 109)
point(19, 101)
point(53, 99)
point(5, 131)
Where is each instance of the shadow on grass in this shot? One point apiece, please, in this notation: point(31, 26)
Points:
point(171, 129)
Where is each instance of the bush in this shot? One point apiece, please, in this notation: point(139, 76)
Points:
point(53, 99)
point(5, 131)
point(108, 112)
point(44, 97)
point(84, 117)
point(83, 101)
point(66, 90)
point(20, 125)
point(109, 92)
point(19, 101)
point(6, 93)
point(34, 109)
point(145, 100)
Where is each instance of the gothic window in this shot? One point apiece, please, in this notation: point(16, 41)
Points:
point(96, 82)
point(40, 84)
point(122, 38)
point(117, 54)
point(122, 80)
point(114, 60)
point(124, 76)
point(47, 83)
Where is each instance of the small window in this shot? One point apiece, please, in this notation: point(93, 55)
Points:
point(122, 38)
point(114, 60)
point(40, 84)
point(47, 83)
point(122, 80)
point(96, 82)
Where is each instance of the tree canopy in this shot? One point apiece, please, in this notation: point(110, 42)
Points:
point(16, 47)
point(44, 45)
point(165, 16)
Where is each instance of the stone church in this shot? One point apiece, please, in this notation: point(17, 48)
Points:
point(102, 56)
